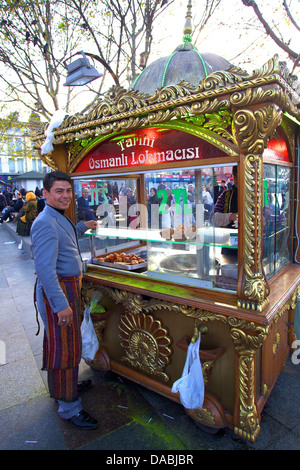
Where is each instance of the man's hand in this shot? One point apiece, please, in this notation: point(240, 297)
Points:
point(233, 217)
point(91, 224)
point(65, 317)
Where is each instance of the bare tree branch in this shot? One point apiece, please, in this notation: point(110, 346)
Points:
point(288, 12)
point(269, 31)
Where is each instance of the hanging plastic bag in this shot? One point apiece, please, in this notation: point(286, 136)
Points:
point(90, 342)
point(191, 384)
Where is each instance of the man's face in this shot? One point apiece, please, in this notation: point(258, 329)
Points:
point(60, 195)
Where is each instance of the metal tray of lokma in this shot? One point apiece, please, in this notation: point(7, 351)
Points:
point(118, 265)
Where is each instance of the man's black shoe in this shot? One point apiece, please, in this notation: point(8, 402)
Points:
point(83, 421)
point(84, 386)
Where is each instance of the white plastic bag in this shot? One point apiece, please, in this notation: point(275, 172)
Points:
point(191, 384)
point(90, 342)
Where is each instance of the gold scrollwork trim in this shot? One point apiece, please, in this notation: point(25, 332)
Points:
point(137, 303)
point(251, 130)
point(122, 109)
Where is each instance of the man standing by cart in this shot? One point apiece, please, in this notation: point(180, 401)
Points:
point(58, 267)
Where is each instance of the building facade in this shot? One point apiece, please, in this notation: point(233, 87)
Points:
point(17, 155)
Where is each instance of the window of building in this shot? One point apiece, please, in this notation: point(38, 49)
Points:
point(20, 165)
point(11, 165)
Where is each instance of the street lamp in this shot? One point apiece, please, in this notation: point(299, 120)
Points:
point(80, 71)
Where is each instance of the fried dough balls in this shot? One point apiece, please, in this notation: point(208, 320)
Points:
point(129, 258)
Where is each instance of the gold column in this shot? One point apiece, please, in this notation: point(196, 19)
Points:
point(252, 128)
point(246, 414)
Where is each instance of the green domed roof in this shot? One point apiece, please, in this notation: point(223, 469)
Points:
point(185, 63)
point(190, 66)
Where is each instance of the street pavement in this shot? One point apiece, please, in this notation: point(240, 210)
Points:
point(131, 417)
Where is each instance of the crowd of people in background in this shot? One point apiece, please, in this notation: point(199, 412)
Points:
point(21, 207)
point(97, 205)
point(90, 201)
point(208, 198)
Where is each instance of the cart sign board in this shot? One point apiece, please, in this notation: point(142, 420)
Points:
point(144, 147)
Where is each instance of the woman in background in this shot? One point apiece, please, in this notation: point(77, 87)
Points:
point(30, 213)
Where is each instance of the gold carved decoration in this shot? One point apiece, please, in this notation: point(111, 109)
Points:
point(247, 338)
point(252, 130)
point(99, 326)
point(276, 343)
point(74, 149)
point(123, 110)
point(206, 369)
point(264, 389)
point(146, 344)
point(203, 416)
point(256, 288)
point(246, 346)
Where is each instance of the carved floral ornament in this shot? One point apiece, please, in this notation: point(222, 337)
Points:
point(146, 343)
point(122, 110)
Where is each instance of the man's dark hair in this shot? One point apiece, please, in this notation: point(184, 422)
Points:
point(234, 170)
point(50, 178)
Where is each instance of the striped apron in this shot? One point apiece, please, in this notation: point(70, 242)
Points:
point(62, 345)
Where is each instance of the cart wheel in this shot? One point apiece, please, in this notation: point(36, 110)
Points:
point(209, 430)
point(211, 417)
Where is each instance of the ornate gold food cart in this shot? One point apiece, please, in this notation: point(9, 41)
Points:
point(181, 134)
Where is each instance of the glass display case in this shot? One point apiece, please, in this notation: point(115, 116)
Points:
point(161, 225)
point(197, 261)
point(168, 225)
